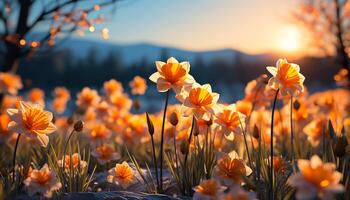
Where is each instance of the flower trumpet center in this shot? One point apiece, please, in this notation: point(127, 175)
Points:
point(105, 152)
point(42, 177)
point(209, 188)
point(200, 97)
point(231, 119)
point(124, 173)
point(100, 131)
point(35, 119)
point(173, 72)
point(88, 98)
point(231, 168)
point(319, 176)
point(288, 75)
point(74, 162)
point(317, 130)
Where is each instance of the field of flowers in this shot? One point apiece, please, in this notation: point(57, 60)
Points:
point(278, 142)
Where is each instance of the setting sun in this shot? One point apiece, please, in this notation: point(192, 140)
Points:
point(290, 39)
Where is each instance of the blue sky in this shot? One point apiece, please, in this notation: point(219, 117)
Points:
point(253, 26)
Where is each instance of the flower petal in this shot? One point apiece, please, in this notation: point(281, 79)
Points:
point(216, 97)
point(24, 106)
point(12, 111)
point(233, 155)
point(199, 113)
point(207, 87)
point(154, 77)
point(18, 128)
point(280, 62)
point(163, 85)
point(159, 65)
point(43, 139)
point(172, 60)
point(186, 66)
point(272, 70)
point(230, 136)
point(187, 102)
point(189, 79)
point(248, 170)
point(315, 161)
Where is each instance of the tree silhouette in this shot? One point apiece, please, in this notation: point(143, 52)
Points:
point(21, 19)
point(328, 23)
point(164, 55)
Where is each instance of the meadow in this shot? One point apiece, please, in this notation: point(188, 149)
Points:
point(201, 99)
point(278, 142)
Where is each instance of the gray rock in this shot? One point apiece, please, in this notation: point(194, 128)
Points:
point(118, 195)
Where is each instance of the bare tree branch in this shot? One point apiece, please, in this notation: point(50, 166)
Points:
point(61, 23)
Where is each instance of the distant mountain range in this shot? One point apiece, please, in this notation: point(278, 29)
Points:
point(97, 61)
point(131, 53)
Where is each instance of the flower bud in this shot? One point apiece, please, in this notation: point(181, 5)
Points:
point(210, 121)
point(263, 78)
point(330, 130)
point(78, 126)
point(80, 111)
point(173, 119)
point(70, 120)
point(256, 134)
point(137, 104)
point(53, 119)
point(150, 125)
point(339, 146)
point(195, 128)
point(296, 105)
point(184, 147)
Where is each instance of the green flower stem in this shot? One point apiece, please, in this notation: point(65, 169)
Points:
point(14, 158)
point(292, 132)
point(271, 145)
point(162, 140)
point(64, 154)
point(155, 161)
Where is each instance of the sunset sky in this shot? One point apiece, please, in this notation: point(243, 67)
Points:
point(253, 26)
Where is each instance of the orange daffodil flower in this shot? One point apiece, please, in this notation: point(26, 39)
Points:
point(105, 153)
point(138, 85)
point(231, 168)
point(61, 97)
point(208, 190)
point(32, 121)
point(73, 160)
point(315, 131)
point(230, 120)
point(62, 93)
point(36, 95)
point(43, 181)
point(286, 77)
point(122, 174)
point(4, 121)
point(87, 97)
point(316, 179)
point(112, 86)
point(10, 83)
point(289, 81)
point(172, 74)
point(199, 100)
point(238, 193)
point(99, 133)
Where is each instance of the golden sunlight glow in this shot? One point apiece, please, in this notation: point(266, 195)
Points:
point(91, 29)
point(290, 39)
